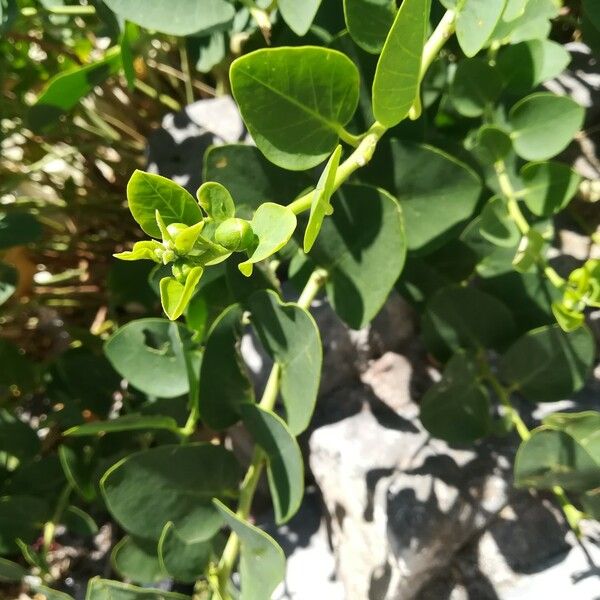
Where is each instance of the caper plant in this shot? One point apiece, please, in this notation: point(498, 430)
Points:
point(407, 152)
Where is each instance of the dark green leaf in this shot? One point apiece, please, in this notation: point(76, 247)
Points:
point(369, 22)
point(11, 571)
point(475, 88)
point(79, 522)
point(496, 224)
point(124, 423)
point(21, 517)
point(136, 559)
point(105, 589)
point(17, 229)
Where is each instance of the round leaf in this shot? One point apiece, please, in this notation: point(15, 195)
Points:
point(369, 22)
point(298, 15)
point(475, 23)
point(476, 87)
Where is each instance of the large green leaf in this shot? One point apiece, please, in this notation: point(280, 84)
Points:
point(18, 228)
point(475, 23)
point(544, 124)
point(251, 178)
point(148, 192)
point(369, 22)
point(398, 73)
point(436, 192)
point(552, 457)
point(262, 562)
point(465, 317)
point(273, 225)
point(475, 87)
point(176, 17)
point(21, 517)
point(285, 469)
point(136, 559)
point(105, 589)
point(548, 364)
point(149, 354)
point(354, 246)
point(224, 382)
point(295, 101)
point(582, 426)
point(65, 90)
point(291, 337)
point(548, 187)
point(298, 15)
point(497, 226)
point(457, 408)
point(147, 489)
point(124, 423)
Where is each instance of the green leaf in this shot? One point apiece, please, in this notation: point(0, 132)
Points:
point(457, 408)
point(592, 10)
point(496, 224)
point(295, 101)
point(569, 319)
point(175, 296)
point(529, 251)
point(544, 124)
point(532, 23)
point(17, 438)
point(291, 337)
point(148, 353)
point(9, 277)
point(128, 36)
point(79, 522)
point(207, 51)
point(398, 72)
point(216, 201)
point(299, 15)
point(144, 250)
point(50, 594)
point(353, 246)
point(224, 382)
point(514, 9)
point(548, 364)
point(465, 318)
point(584, 427)
point(78, 471)
point(262, 562)
point(525, 65)
point(136, 559)
point(124, 423)
point(285, 469)
point(552, 458)
point(65, 90)
point(320, 206)
point(18, 229)
point(369, 22)
point(475, 23)
point(147, 489)
point(273, 225)
point(549, 186)
point(11, 571)
point(182, 559)
point(105, 589)
point(251, 178)
point(493, 143)
point(177, 17)
point(21, 517)
point(475, 88)
point(148, 193)
point(436, 192)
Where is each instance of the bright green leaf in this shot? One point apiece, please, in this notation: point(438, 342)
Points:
point(175, 296)
point(529, 251)
point(144, 250)
point(216, 200)
point(299, 15)
point(475, 23)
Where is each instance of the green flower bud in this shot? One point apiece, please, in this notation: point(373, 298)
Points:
point(168, 256)
point(234, 234)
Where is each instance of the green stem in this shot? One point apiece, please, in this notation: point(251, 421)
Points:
point(252, 477)
point(74, 11)
point(185, 69)
point(50, 526)
point(152, 93)
point(359, 158)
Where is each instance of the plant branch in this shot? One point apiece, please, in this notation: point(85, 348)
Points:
point(250, 482)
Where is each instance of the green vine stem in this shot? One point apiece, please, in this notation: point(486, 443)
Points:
point(50, 526)
point(572, 514)
point(250, 482)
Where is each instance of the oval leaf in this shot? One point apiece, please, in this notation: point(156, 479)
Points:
point(175, 296)
point(475, 23)
point(369, 22)
point(299, 15)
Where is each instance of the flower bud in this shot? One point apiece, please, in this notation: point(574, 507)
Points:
point(234, 234)
point(180, 271)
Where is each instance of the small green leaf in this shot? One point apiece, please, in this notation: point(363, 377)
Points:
point(177, 17)
point(493, 143)
point(295, 101)
point(549, 186)
point(285, 469)
point(465, 318)
point(149, 488)
point(216, 201)
point(369, 22)
point(548, 364)
point(291, 337)
point(148, 193)
point(529, 251)
point(475, 88)
point(105, 589)
point(475, 23)
point(398, 73)
point(144, 250)
point(569, 319)
point(320, 206)
point(124, 423)
point(262, 562)
point(353, 246)
point(224, 382)
point(183, 560)
point(457, 408)
point(273, 225)
point(299, 15)
point(175, 296)
point(136, 559)
point(148, 353)
point(532, 23)
point(496, 224)
point(544, 124)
